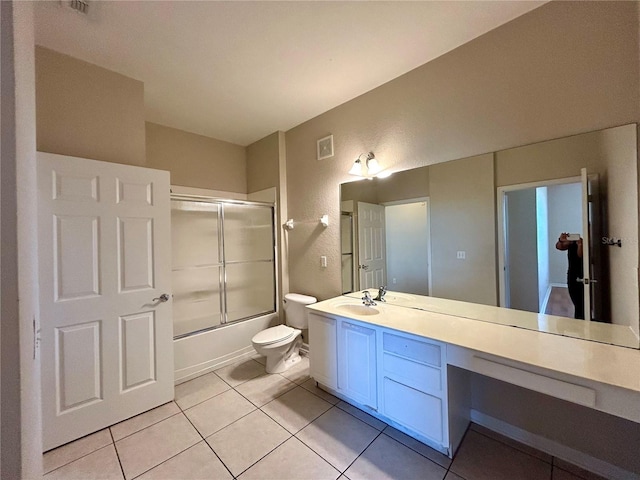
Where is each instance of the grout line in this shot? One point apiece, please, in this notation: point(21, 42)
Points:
point(204, 440)
point(145, 427)
point(208, 398)
point(80, 458)
point(265, 455)
point(76, 440)
point(416, 451)
point(117, 454)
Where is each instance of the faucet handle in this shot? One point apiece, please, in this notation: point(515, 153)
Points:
point(382, 291)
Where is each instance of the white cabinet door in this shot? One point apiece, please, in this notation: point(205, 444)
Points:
point(104, 248)
point(323, 353)
point(357, 363)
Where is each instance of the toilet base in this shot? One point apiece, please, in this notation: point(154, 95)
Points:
point(279, 364)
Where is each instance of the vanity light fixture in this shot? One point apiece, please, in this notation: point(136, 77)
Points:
point(370, 169)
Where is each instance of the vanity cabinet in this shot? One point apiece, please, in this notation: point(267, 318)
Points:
point(399, 378)
point(357, 362)
point(323, 348)
point(412, 380)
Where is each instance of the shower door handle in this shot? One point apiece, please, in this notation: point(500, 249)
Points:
point(162, 298)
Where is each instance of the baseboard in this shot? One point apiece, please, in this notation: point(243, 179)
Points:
point(555, 449)
point(304, 350)
point(192, 372)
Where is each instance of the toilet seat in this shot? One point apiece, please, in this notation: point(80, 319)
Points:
point(273, 335)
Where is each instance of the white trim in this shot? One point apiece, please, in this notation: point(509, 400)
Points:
point(555, 449)
point(500, 199)
point(180, 190)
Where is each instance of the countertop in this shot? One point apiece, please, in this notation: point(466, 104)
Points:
point(607, 364)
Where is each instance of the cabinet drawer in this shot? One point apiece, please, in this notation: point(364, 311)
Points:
point(414, 349)
point(413, 409)
point(417, 375)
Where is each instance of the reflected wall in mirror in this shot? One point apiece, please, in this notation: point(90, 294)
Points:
point(484, 229)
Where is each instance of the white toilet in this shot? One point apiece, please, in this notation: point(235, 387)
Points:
point(281, 344)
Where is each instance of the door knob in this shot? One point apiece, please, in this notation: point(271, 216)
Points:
point(364, 267)
point(162, 298)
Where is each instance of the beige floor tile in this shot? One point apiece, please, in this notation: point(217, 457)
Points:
point(483, 458)
point(296, 409)
point(512, 443)
point(388, 459)
point(261, 390)
point(218, 412)
point(101, 464)
point(246, 441)
point(72, 451)
point(199, 389)
point(365, 417)
point(559, 474)
point(155, 444)
point(239, 373)
point(195, 463)
point(260, 359)
point(453, 476)
point(338, 437)
point(575, 470)
point(137, 423)
point(299, 373)
point(417, 446)
point(291, 460)
point(311, 386)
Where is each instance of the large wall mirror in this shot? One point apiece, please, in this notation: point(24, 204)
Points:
point(484, 231)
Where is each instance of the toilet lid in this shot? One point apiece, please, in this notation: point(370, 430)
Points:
point(273, 335)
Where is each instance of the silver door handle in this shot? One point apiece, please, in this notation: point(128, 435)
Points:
point(586, 281)
point(364, 267)
point(162, 298)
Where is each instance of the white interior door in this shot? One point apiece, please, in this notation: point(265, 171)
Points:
point(590, 224)
point(104, 247)
point(371, 245)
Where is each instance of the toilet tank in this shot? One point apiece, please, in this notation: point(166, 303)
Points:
point(296, 314)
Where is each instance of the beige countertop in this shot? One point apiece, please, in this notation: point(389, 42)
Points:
point(600, 362)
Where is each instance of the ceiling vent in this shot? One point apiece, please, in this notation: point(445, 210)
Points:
point(80, 6)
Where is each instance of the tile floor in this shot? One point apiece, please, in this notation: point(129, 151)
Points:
point(239, 422)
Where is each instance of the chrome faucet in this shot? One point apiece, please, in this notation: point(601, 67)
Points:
point(367, 300)
point(382, 291)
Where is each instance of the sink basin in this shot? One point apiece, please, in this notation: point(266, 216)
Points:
point(361, 310)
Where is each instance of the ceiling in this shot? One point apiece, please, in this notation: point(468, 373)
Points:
point(238, 71)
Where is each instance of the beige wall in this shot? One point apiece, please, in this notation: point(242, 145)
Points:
point(83, 110)
point(463, 219)
point(262, 163)
point(562, 69)
point(195, 160)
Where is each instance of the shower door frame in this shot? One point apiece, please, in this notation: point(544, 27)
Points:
point(220, 202)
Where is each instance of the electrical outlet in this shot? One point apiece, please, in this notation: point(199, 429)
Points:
point(461, 254)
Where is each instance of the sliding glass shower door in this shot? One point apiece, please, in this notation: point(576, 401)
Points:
point(223, 263)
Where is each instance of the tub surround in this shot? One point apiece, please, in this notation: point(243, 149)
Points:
point(378, 357)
